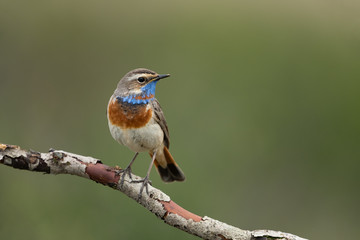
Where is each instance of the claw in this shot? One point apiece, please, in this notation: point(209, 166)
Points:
point(124, 172)
point(145, 181)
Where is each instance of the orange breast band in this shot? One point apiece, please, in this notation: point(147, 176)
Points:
point(127, 115)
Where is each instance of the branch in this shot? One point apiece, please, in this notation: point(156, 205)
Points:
point(157, 202)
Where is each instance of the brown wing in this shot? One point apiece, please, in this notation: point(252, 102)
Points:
point(160, 119)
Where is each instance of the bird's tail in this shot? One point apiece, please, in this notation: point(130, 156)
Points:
point(168, 169)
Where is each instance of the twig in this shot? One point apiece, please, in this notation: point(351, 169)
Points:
point(61, 162)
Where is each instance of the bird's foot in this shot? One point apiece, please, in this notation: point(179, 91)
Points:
point(145, 181)
point(124, 172)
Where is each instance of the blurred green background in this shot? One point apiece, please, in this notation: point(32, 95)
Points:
point(262, 105)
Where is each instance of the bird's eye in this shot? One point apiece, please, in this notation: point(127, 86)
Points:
point(141, 79)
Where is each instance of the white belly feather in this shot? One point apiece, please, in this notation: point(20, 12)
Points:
point(147, 138)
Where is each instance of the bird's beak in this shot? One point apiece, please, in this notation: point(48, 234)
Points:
point(160, 76)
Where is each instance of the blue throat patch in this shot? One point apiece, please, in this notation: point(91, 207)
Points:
point(147, 94)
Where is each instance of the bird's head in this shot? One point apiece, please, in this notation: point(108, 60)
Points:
point(138, 86)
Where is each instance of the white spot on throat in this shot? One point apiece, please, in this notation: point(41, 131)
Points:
point(135, 91)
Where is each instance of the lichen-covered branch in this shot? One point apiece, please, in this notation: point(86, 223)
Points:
point(61, 162)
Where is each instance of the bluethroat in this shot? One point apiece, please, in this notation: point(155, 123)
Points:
point(136, 120)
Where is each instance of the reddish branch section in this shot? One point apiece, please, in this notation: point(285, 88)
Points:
point(102, 174)
point(106, 175)
point(172, 207)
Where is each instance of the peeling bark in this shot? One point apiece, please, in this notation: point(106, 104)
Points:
point(61, 162)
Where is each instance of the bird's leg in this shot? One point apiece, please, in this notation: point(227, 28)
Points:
point(127, 170)
point(145, 181)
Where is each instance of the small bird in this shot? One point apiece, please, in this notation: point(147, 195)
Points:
point(136, 120)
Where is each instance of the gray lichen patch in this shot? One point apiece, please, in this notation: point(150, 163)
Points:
point(201, 229)
point(67, 163)
point(159, 195)
point(270, 234)
point(222, 230)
